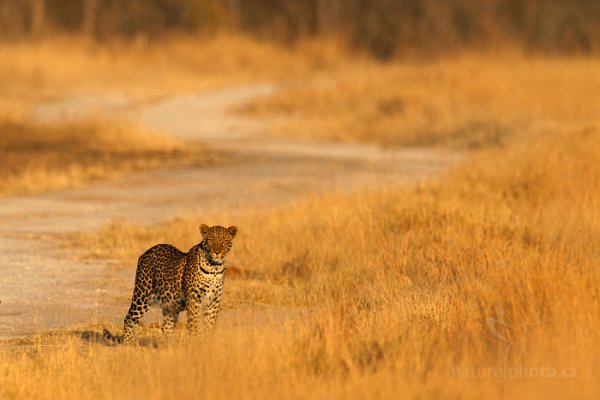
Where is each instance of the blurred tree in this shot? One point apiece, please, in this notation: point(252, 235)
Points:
point(88, 25)
point(38, 16)
point(206, 16)
point(12, 18)
point(280, 20)
point(384, 28)
point(328, 16)
point(233, 14)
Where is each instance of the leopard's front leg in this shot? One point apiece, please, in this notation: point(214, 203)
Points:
point(194, 311)
point(212, 304)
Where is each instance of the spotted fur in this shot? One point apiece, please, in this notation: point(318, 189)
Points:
point(177, 281)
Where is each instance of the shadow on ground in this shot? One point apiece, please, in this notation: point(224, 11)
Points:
point(94, 337)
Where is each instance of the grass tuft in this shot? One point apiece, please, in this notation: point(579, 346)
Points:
point(39, 157)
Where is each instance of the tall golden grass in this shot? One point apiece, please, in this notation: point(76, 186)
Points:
point(465, 101)
point(481, 284)
point(40, 69)
point(36, 157)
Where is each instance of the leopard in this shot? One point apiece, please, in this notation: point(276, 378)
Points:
point(178, 281)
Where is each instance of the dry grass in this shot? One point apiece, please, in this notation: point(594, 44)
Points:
point(33, 70)
point(37, 157)
point(468, 101)
point(456, 288)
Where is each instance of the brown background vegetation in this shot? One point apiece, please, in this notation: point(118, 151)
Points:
point(384, 28)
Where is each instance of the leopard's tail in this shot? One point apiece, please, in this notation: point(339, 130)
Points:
point(111, 339)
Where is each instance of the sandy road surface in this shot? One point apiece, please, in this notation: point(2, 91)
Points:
point(42, 287)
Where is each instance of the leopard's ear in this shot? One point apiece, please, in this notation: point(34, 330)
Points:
point(232, 230)
point(203, 229)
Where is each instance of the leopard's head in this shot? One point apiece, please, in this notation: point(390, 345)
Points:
point(216, 242)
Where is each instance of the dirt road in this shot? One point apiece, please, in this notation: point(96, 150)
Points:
point(42, 287)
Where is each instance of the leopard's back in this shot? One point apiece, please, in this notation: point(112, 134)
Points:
point(160, 271)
